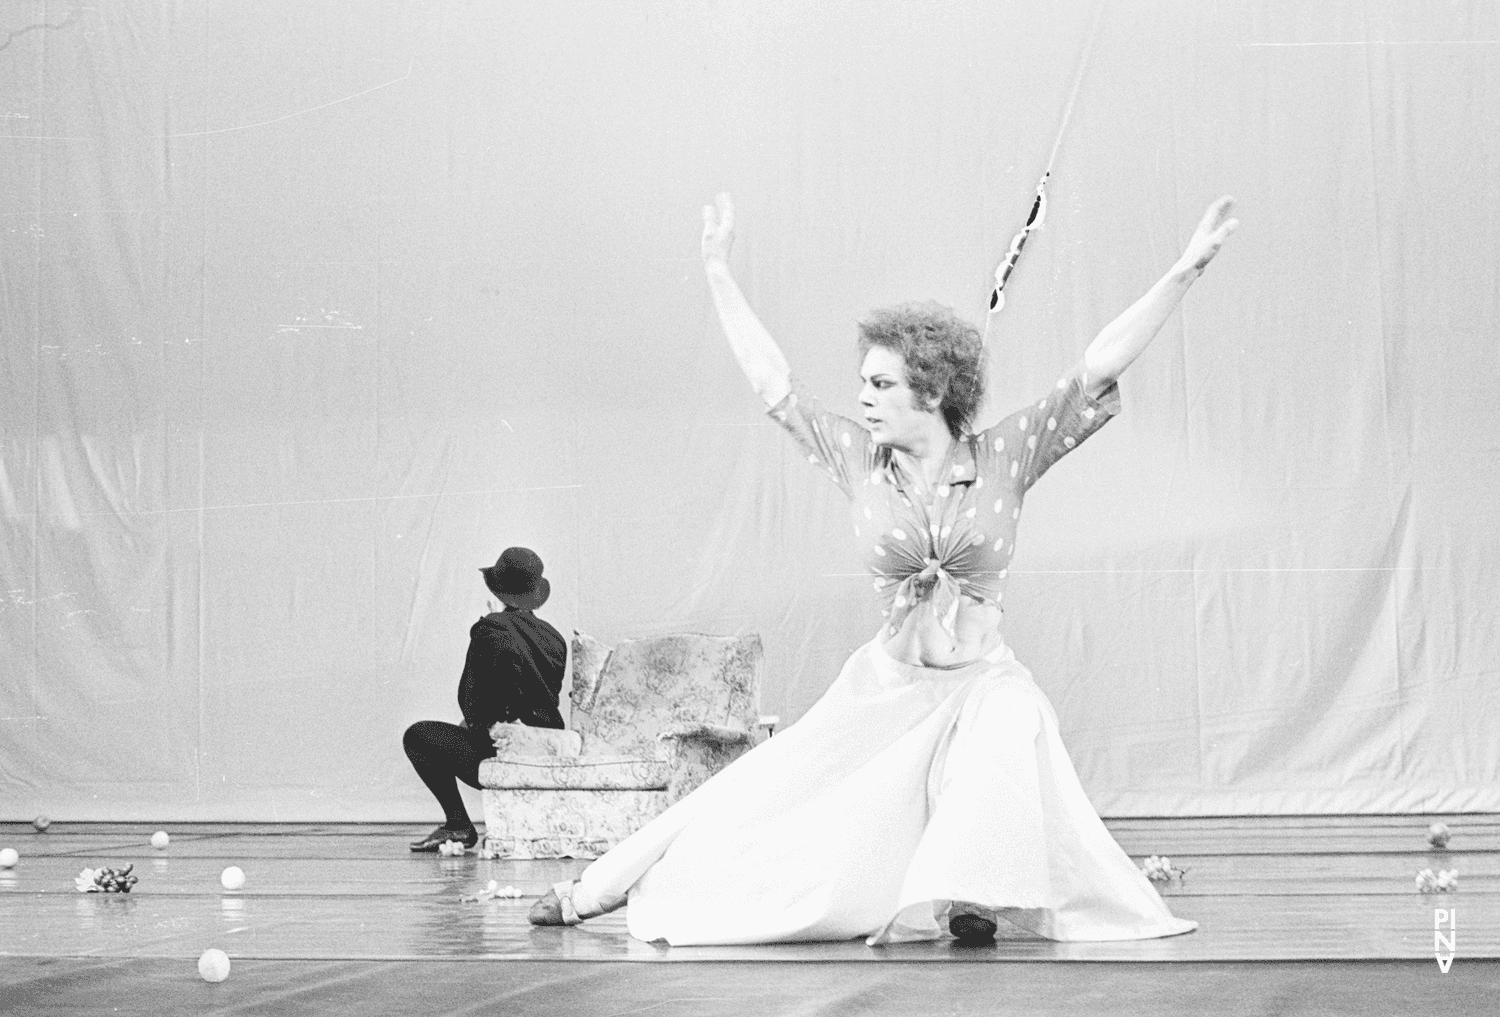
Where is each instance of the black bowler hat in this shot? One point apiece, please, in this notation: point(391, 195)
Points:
point(516, 578)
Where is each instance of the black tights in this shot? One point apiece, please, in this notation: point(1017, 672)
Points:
point(440, 752)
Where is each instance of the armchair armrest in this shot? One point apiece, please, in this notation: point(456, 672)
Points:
point(716, 734)
point(695, 752)
point(520, 740)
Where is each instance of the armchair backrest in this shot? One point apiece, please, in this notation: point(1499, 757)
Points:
point(624, 696)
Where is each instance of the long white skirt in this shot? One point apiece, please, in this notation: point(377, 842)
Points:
point(903, 789)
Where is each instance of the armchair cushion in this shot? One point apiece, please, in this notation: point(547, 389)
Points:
point(586, 773)
point(534, 742)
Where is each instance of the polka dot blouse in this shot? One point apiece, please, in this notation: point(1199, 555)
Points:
point(959, 539)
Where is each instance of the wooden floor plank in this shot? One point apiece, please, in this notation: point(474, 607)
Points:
point(355, 892)
point(1315, 875)
point(1244, 836)
point(269, 927)
point(1178, 842)
point(396, 871)
point(1404, 821)
point(404, 875)
point(151, 987)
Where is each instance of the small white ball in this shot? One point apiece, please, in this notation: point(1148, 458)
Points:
point(160, 840)
point(233, 877)
point(8, 858)
point(213, 966)
point(1437, 834)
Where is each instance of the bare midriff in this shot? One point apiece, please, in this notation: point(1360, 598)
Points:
point(922, 641)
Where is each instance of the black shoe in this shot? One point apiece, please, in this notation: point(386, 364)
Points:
point(972, 930)
point(467, 837)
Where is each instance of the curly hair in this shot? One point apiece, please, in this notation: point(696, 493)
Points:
point(945, 356)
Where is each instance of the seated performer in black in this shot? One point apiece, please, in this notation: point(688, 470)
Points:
point(514, 673)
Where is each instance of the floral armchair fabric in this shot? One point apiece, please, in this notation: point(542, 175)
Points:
point(652, 719)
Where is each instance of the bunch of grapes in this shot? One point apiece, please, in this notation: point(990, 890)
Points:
point(1445, 881)
point(115, 880)
point(1159, 869)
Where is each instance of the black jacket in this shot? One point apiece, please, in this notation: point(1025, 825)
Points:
point(514, 671)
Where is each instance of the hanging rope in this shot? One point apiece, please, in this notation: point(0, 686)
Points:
point(1039, 204)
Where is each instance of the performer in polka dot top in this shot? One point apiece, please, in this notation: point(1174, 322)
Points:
point(928, 792)
point(932, 546)
point(934, 505)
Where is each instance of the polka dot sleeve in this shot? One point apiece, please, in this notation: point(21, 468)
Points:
point(1034, 437)
point(836, 445)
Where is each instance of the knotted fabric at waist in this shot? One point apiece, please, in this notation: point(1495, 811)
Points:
point(935, 585)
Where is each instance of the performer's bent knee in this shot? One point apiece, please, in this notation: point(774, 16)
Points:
point(1009, 705)
point(417, 736)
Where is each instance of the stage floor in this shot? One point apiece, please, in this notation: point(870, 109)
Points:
point(330, 907)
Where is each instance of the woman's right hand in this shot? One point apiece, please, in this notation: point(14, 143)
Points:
point(758, 355)
point(1209, 237)
point(718, 231)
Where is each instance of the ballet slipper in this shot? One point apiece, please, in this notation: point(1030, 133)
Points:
point(971, 924)
point(556, 908)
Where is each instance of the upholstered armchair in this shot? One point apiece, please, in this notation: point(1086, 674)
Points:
point(652, 719)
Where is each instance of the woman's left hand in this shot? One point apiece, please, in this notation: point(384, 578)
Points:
point(1209, 237)
point(718, 230)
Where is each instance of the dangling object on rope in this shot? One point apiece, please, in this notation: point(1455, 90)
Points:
point(1008, 264)
point(1039, 204)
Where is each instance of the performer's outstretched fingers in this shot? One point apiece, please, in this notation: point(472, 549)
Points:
point(1217, 213)
point(718, 229)
point(1220, 209)
point(1211, 233)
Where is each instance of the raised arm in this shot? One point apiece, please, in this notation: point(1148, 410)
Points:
point(758, 355)
point(1123, 339)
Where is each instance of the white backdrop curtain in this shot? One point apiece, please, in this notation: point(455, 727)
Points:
point(311, 308)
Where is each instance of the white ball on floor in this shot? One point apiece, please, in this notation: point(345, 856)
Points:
point(160, 840)
point(41, 823)
point(233, 877)
point(1437, 835)
point(8, 858)
point(213, 966)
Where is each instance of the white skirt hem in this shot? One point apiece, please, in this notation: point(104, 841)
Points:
point(903, 788)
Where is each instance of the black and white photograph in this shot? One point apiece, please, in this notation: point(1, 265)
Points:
point(682, 508)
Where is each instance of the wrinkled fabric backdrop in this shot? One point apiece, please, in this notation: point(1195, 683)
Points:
point(312, 308)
